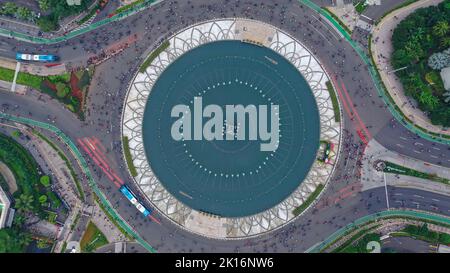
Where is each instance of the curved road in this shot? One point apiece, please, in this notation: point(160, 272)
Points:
point(340, 204)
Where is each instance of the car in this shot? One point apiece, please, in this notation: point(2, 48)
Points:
point(35, 57)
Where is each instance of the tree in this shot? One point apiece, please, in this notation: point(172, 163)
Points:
point(62, 89)
point(24, 203)
point(441, 28)
point(45, 180)
point(445, 41)
point(44, 5)
point(439, 60)
point(414, 50)
point(400, 58)
point(13, 241)
point(9, 8)
point(24, 13)
point(47, 23)
point(43, 199)
point(427, 98)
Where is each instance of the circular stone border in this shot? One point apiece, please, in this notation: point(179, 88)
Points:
point(261, 34)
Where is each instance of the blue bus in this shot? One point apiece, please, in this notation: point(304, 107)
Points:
point(37, 58)
point(132, 198)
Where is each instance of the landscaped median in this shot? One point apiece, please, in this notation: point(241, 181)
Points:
point(153, 55)
point(298, 210)
point(92, 238)
point(424, 234)
point(128, 158)
point(397, 169)
point(63, 157)
point(334, 101)
point(68, 88)
point(360, 223)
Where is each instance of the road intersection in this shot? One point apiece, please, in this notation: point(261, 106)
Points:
point(366, 117)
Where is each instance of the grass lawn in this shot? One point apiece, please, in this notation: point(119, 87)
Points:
point(397, 169)
point(22, 78)
point(360, 7)
point(424, 234)
point(92, 238)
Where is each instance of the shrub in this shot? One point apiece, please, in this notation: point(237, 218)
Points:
point(56, 203)
point(45, 181)
point(62, 92)
point(43, 199)
point(47, 23)
point(439, 60)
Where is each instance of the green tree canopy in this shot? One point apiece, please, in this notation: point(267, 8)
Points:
point(24, 202)
point(441, 28)
point(45, 180)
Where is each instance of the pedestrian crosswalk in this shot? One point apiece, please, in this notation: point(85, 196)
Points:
point(87, 23)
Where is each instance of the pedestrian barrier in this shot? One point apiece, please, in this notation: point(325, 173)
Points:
point(65, 139)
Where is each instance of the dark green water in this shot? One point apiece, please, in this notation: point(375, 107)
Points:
point(231, 178)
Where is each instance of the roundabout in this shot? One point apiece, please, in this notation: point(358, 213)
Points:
point(225, 127)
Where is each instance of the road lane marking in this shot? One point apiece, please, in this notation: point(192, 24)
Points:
point(385, 188)
point(366, 17)
point(418, 196)
point(433, 156)
point(418, 143)
point(321, 34)
point(328, 28)
point(416, 151)
point(436, 148)
point(400, 145)
point(403, 138)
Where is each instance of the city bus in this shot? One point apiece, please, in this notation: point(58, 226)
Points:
point(37, 58)
point(132, 198)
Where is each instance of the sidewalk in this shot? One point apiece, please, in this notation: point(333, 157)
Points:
point(371, 178)
point(31, 68)
point(72, 31)
point(381, 51)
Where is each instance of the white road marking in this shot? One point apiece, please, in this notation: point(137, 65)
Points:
point(16, 73)
point(416, 151)
point(435, 200)
point(436, 148)
point(433, 156)
point(418, 196)
point(385, 188)
point(403, 138)
point(400, 145)
point(366, 17)
point(418, 143)
point(321, 34)
point(328, 28)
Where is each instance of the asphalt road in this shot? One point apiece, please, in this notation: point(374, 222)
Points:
point(406, 245)
point(109, 86)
